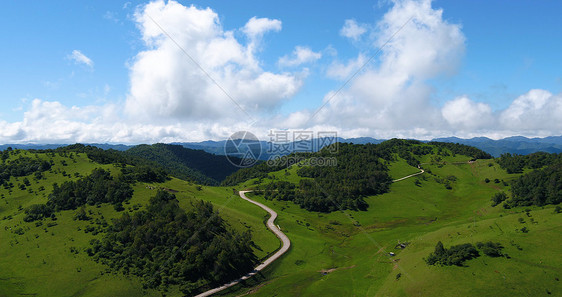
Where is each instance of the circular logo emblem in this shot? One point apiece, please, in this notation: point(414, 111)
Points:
point(242, 149)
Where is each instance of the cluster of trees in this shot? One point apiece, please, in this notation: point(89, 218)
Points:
point(462, 149)
point(185, 163)
point(498, 198)
point(37, 212)
point(491, 249)
point(360, 171)
point(455, 255)
point(516, 163)
point(280, 190)
point(458, 254)
point(21, 166)
point(96, 188)
point(144, 173)
point(134, 167)
point(538, 187)
point(165, 245)
point(97, 155)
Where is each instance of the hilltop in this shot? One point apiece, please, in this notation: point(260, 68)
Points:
point(108, 224)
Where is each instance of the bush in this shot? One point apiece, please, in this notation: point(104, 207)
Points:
point(490, 248)
point(37, 212)
point(498, 198)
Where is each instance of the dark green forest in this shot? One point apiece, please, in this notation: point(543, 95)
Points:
point(516, 163)
point(184, 163)
point(360, 171)
point(166, 245)
point(540, 186)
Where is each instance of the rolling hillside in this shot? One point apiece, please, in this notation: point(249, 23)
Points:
point(60, 237)
point(378, 250)
point(345, 253)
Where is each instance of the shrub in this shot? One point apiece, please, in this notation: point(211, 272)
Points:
point(37, 212)
point(492, 249)
point(498, 198)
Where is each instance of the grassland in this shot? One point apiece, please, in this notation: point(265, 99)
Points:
point(344, 253)
point(50, 259)
point(347, 253)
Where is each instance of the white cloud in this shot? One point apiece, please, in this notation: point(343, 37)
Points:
point(79, 58)
point(534, 112)
point(342, 71)
point(463, 113)
point(166, 84)
point(300, 55)
point(352, 30)
point(256, 27)
point(390, 95)
point(53, 122)
point(172, 99)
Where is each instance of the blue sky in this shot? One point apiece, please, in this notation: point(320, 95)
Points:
point(101, 72)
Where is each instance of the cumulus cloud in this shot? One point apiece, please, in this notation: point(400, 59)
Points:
point(352, 30)
point(53, 122)
point(177, 93)
point(300, 55)
point(536, 111)
point(256, 27)
point(391, 93)
point(191, 62)
point(466, 114)
point(341, 71)
point(79, 58)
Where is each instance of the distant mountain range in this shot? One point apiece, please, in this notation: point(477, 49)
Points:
point(515, 145)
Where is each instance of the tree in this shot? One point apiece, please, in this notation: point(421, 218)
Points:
point(81, 214)
point(498, 198)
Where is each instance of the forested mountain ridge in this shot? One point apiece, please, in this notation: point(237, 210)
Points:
point(185, 163)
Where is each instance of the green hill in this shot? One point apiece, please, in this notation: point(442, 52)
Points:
point(378, 250)
point(61, 204)
point(347, 252)
point(185, 163)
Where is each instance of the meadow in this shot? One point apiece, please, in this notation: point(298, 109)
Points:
point(343, 253)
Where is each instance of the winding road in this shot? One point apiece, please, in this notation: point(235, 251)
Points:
point(411, 175)
point(275, 229)
point(270, 224)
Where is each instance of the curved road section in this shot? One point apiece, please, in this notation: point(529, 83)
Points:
point(411, 175)
point(270, 224)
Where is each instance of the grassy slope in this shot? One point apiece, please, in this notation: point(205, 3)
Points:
point(29, 262)
point(357, 245)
